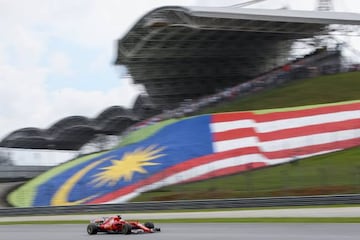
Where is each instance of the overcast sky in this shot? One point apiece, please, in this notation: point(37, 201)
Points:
point(56, 55)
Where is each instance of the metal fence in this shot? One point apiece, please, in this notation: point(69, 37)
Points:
point(197, 204)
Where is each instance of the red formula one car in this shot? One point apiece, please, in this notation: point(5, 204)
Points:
point(116, 224)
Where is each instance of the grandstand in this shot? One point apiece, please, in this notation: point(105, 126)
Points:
point(182, 53)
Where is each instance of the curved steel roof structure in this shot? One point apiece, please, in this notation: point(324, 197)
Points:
point(71, 133)
point(186, 52)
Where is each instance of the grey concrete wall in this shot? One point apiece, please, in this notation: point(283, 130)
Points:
point(21, 172)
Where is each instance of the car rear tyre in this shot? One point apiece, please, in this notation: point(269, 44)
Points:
point(92, 229)
point(149, 225)
point(126, 229)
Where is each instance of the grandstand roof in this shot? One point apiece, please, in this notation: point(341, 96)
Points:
point(187, 52)
point(71, 133)
point(278, 15)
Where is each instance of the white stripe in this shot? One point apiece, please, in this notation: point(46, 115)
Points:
point(285, 123)
point(224, 126)
point(124, 198)
point(289, 143)
point(306, 121)
point(221, 146)
point(309, 140)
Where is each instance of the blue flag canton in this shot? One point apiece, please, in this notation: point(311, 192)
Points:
point(122, 167)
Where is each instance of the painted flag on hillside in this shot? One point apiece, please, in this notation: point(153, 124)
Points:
point(203, 147)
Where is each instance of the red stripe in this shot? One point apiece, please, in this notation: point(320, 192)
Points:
point(231, 116)
point(310, 130)
point(287, 133)
point(223, 155)
point(234, 134)
point(266, 117)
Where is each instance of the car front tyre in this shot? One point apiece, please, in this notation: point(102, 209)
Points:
point(92, 229)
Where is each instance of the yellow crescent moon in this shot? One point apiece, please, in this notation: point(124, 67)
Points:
point(60, 198)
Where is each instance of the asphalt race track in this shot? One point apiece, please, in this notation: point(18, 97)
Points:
point(199, 231)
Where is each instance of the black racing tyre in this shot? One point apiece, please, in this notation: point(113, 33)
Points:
point(126, 229)
point(149, 225)
point(92, 229)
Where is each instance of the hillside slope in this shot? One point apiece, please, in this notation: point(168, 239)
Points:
point(319, 90)
point(208, 146)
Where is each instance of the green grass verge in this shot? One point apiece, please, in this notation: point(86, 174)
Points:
point(144, 133)
point(211, 220)
point(320, 90)
point(264, 111)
